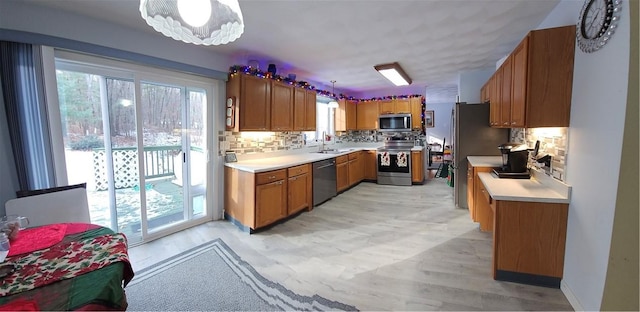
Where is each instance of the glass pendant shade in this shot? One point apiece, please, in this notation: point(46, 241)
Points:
point(202, 22)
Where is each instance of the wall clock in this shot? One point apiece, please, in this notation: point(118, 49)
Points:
point(597, 23)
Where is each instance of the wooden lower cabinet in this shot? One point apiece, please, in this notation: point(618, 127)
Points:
point(470, 193)
point(342, 173)
point(481, 201)
point(356, 168)
point(529, 242)
point(254, 200)
point(300, 189)
point(417, 167)
point(370, 165)
point(271, 197)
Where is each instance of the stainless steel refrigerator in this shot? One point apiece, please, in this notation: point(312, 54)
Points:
point(472, 136)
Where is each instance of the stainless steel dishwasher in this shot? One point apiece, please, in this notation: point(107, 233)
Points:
point(324, 180)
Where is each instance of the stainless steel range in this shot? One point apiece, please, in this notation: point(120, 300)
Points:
point(394, 161)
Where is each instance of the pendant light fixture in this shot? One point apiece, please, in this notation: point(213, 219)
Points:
point(201, 22)
point(333, 103)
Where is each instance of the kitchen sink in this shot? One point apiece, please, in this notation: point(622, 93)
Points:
point(329, 152)
point(335, 151)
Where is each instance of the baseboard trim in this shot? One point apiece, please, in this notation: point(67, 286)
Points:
point(526, 278)
point(573, 300)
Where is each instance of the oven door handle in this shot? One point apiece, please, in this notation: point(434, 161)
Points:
point(395, 152)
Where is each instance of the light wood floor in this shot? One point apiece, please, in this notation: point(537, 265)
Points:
point(375, 247)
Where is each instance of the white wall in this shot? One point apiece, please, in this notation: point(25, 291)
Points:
point(598, 106)
point(470, 82)
point(18, 15)
point(442, 122)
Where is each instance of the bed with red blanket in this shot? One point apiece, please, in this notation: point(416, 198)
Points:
point(67, 266)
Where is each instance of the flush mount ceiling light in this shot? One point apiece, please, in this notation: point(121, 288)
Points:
point(202, 22)
point(394, 73)
point(333, 103)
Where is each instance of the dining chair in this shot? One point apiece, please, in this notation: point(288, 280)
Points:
point(64, 204)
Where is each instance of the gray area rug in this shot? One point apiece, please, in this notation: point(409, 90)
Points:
point(211, 277)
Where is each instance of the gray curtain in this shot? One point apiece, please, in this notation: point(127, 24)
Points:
point(26, 108)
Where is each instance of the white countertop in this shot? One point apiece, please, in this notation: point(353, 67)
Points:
point(485, 161)
point(540, 188)
point(286, 161)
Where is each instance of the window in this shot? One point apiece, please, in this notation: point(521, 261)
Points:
point(325, 122)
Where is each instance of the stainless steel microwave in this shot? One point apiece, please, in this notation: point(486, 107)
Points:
point(394, 122)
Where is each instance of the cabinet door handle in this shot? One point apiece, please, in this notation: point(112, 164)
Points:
point(279, 182)
point(294, 178)
point(272, 177)
point(513, 123)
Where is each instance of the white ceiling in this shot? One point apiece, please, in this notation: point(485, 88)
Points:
point(433, 40)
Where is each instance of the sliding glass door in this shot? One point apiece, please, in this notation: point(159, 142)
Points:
point(140, 144)
point(174, 124)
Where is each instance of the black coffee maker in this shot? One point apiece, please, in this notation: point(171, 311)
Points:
point(515, 157)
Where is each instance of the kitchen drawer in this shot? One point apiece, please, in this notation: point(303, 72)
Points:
point(271, 176)
point(342, 159)
point(354, 155)
point(298, 170)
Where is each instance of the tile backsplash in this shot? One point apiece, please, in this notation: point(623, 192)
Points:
point(373, 136)
point(243, 143)
point(553, 141)
point(259, 142)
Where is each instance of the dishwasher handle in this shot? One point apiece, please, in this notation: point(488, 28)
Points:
point(325, 166)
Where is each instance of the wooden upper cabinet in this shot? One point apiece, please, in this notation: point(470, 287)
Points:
point(395, 106)
point(299, 109)
point(505, 93)
point(539, 81)
point(402, 106)
point(494, 100)
point(367, 115)
point(253, 102)
point(416, 112)
point(485, 92)
point(304, 109)
point(266, 105)
point(281, 106)
point(352, 115)
point(310, 112)
point(550, 77)
point(519, 84)
point(386, 106)
point(346, 115)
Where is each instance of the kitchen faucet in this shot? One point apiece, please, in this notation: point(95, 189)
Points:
point(324, 135)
